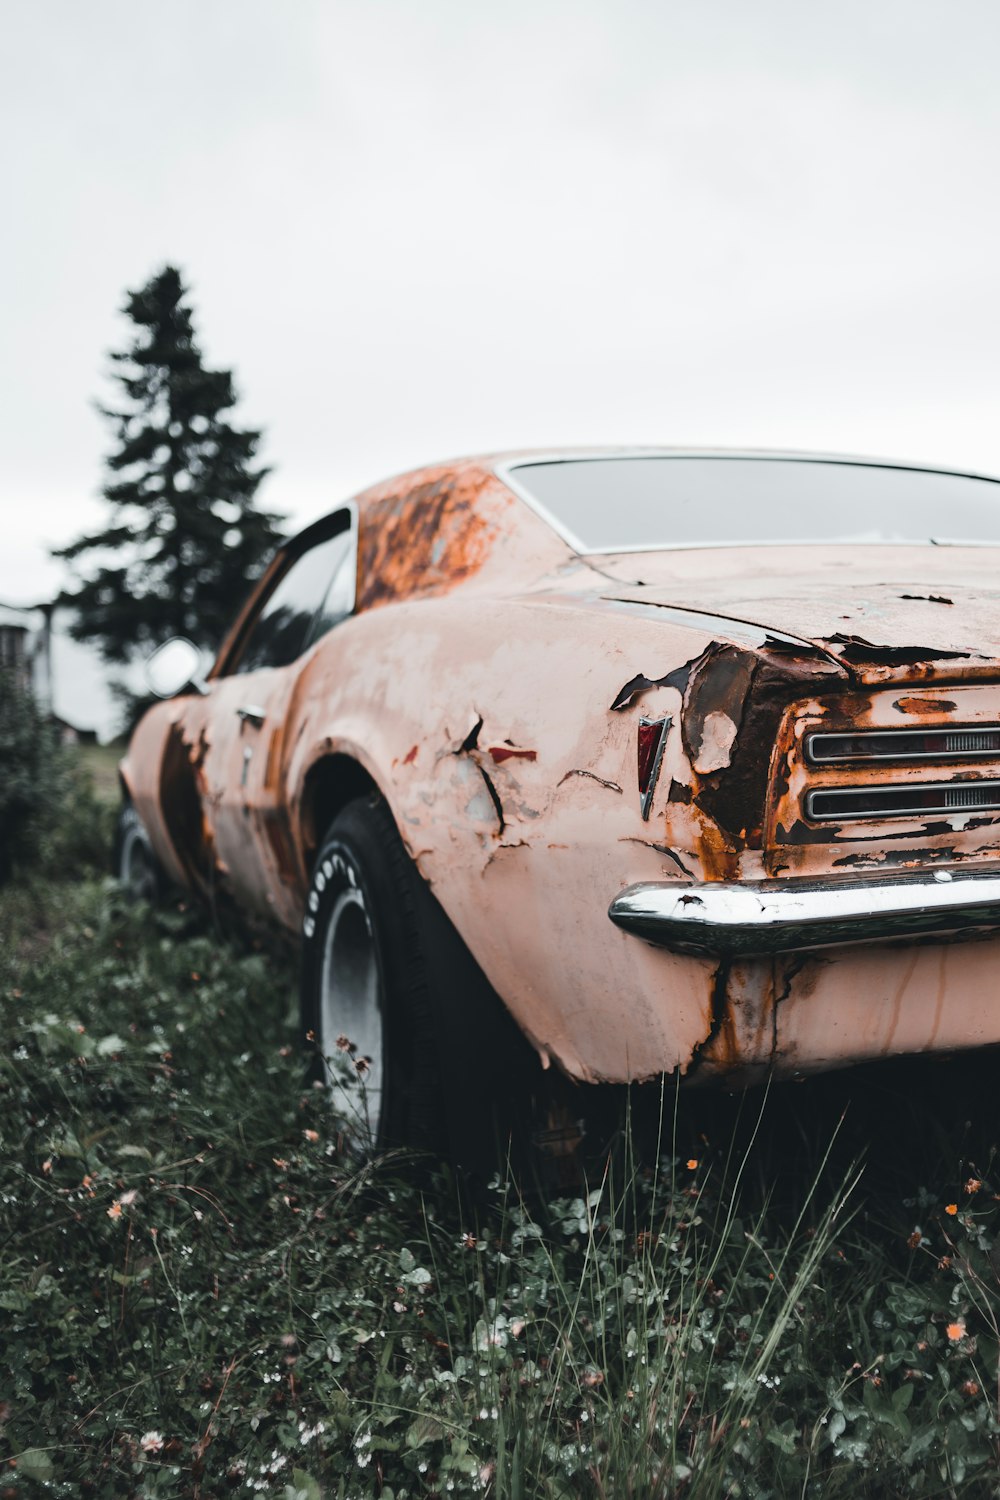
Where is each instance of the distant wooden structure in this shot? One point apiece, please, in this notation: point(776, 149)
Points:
point(26, 648)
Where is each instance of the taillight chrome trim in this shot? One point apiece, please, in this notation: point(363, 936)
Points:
point(862, 746)
point(907, 800)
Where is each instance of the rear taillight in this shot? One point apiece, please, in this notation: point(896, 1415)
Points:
point(652, 739)
point(902, 744)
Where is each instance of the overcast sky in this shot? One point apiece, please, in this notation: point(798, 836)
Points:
point(420, 229)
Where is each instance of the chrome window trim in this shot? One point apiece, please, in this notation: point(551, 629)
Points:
point(504, 471)
point(228, 665)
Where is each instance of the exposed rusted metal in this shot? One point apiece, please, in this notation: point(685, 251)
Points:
point(925, 707)
point(855, 650)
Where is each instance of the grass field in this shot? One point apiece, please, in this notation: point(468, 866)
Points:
point(202, 1294)
point(101, 764)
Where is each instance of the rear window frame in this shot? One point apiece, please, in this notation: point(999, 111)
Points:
point(507, 469)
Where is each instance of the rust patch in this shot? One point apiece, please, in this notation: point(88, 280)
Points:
point(717, 691)
point(678, 792)
point(924, 705)
point(281, 847)
point(860, 653)
point(423, 539)
point(181, 802)
point(410, 755)
point(754, 692)
point(273, 765)
point(500, 753)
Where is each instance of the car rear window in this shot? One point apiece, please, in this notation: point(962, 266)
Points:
point(612, 504)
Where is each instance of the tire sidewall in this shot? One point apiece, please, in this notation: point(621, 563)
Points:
point(130, 836)
point(362, 851)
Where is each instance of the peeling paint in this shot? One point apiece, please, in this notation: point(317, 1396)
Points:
point(718, 734)
point(640, 683)
point(612, 786)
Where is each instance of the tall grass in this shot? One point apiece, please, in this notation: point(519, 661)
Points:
point(201, 1293)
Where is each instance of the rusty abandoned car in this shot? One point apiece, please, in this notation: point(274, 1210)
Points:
point(690, 758)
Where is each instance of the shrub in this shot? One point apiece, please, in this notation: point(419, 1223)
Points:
point(49, 814)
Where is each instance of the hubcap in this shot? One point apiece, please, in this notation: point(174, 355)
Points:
point(351, 1013)
point(136, 866)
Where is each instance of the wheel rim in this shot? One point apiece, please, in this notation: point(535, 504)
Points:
point(351, 1012)
point(136, 870)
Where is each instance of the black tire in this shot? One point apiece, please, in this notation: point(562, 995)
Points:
point(136, 867)
point(362, 946)
point(453, 1062)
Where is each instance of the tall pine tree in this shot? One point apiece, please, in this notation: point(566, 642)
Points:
point(184, 539)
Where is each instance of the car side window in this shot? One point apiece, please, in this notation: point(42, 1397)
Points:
point(314, 593)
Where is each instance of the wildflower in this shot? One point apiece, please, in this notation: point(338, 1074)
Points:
point(916, 1239)
point(344, 1044)
point(311, 1135)
point(973, 1185)
point(151, 1442)
point(468, 1242)
point(127, 1199)
point(593, 1377)
point(115, 1211)
point(47, 1166)
point(969, 1388)
point(362, 1065)
point(692, 1165)
point(956, 1331)
point(517, 1327)
point(951, 1208)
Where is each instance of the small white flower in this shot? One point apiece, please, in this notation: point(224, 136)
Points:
point(151, 1442)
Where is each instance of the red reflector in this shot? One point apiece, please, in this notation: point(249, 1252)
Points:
point(652, 738)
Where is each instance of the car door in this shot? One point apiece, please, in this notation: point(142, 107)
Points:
point(243, 785)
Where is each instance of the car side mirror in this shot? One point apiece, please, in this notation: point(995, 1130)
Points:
point(174, 666)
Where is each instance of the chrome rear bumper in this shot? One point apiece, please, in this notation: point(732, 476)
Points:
point(722, 919)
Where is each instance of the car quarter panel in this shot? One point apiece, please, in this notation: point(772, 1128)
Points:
point(488, 724)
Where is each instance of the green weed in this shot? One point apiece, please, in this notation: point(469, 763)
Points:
point(202, 1293)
